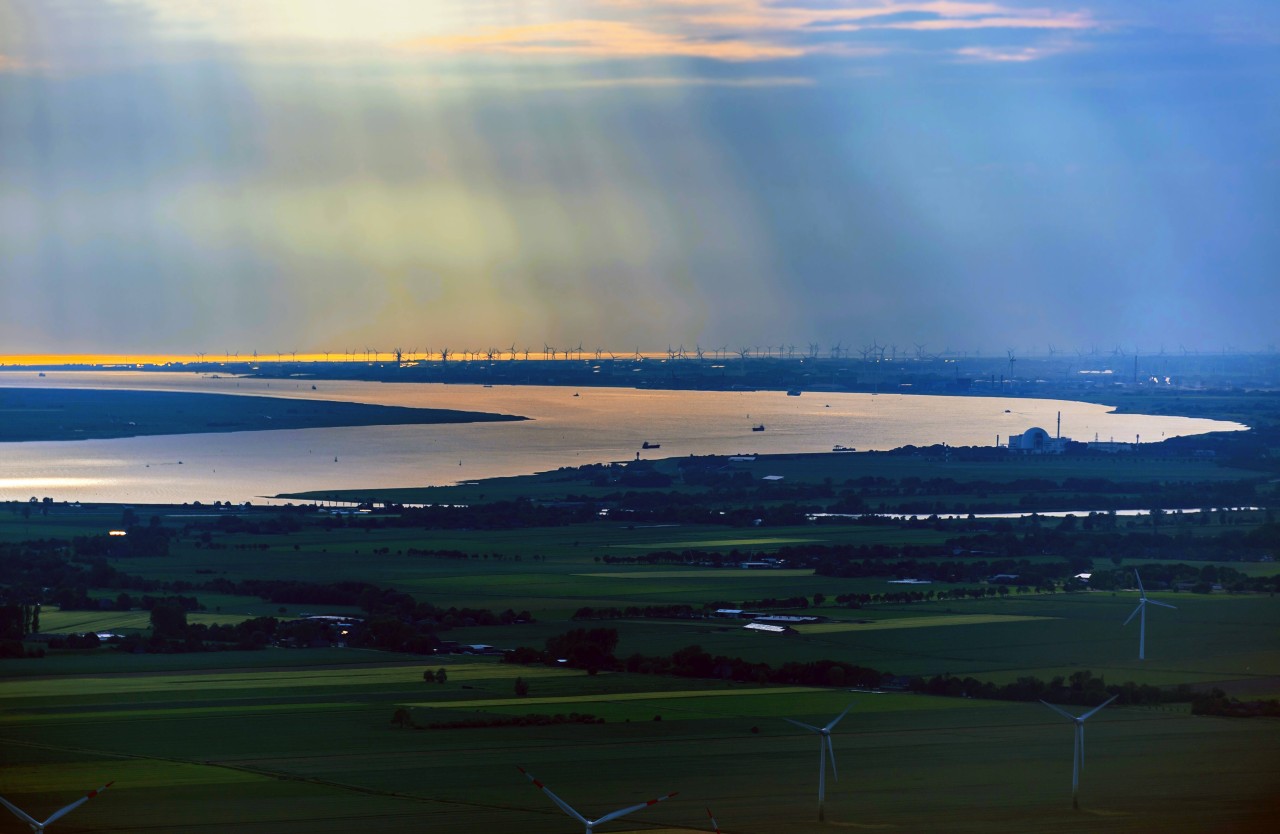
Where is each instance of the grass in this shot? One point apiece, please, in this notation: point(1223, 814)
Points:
point(694, 573)
point(934, 621)
point(909, 763)
point(56, 621)
point(824, 468)
point(302, 740)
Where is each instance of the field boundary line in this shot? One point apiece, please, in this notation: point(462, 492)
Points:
point(616, 697)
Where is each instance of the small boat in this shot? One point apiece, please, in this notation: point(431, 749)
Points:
point(648, 445)
point(758, 428)
point(793, 393)
point(839, 448)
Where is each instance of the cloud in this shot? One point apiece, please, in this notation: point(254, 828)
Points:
point(736, 30)
point(609, 39)
point(1011, 54)
point(86, 37)
point(935, 15)
point(1068, 21)
point(682, 81)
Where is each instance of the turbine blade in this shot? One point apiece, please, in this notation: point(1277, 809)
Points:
point(715, 825)
point(1141, 590)
point(19, 813)
point(1162, 604)
point(61, 812)
point(1059, 711)
point(624, 811)
point(1135, 611)
point(808, 727)
point(1098, 707)
point(1080, 730)
point(832, 750)
point(836, 720)
point(564, 806)
point(66, 809)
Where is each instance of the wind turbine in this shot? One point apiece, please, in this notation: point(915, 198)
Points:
point(1077, 756)
point(590, 824)
point(1142, 620)
point(37, 826)
point(824, 747)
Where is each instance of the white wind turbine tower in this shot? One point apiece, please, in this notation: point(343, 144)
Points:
point(1143, 602)
point(591, 824)
point(37, 826)
point(824, 748)
point(1077, 756)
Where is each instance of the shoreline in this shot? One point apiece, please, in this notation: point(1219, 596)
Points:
point(72, 414)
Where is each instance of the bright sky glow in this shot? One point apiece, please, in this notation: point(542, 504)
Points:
point(315, 175)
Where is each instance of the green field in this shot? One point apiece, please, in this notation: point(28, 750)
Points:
point(933, 621)
point(822, 468)
point(301, 741)
point(296, 750)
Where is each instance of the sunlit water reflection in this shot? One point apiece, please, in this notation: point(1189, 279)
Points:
point(569, 427)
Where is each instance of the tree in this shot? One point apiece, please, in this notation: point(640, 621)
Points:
point(441, 675)
point(522, 688)
point(590, 649)
point(402, 718)
point(12, 622)
point(168, 619)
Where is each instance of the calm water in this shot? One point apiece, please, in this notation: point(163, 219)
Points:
point(568, 427)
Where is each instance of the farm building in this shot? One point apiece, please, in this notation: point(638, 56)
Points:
point(765, 628)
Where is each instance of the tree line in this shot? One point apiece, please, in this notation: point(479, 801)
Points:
point(592, 650)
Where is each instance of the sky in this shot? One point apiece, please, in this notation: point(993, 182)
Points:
point(311, 175)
